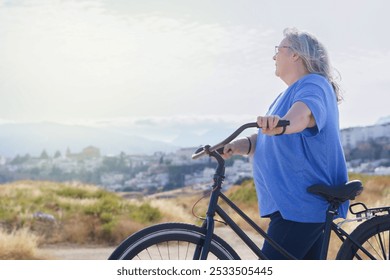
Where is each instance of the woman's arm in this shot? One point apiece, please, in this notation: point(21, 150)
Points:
point(242, 146)
point(299, 115)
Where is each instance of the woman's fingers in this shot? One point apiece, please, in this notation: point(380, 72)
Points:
point(268, 122)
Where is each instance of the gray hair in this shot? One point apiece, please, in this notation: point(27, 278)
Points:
point(314, 56)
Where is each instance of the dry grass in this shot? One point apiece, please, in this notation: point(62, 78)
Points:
point(85, 215)
point(78, 214)
point(19, 245)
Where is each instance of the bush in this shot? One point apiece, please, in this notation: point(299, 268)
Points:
point(19, 245)
point(78, 213)
point(145, 214)
point(246, 193)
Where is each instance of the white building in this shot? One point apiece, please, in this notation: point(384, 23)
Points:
point(350, 137)
point(183, 156)
point(3, 160)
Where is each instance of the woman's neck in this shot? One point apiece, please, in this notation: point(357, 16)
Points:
point(297, 73)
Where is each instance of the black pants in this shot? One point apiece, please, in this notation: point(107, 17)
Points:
point(302, 240)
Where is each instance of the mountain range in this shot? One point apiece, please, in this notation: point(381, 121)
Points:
point(140, 136)
point(35, 137)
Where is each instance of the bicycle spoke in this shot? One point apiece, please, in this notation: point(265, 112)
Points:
point(168, 250)
point(178, 250)
point(147, 251)
point(159, 241)
point(169, 255)
point(377, 245)
point(159, 252)
point(373, 250)
point(382, 246)
point(382, 241)
point(188, 247)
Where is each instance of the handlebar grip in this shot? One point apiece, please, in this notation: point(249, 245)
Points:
point(283, 123)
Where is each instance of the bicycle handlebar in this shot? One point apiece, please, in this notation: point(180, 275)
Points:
point(202, 151)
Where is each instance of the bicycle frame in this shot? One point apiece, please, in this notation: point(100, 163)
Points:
point(214, 208)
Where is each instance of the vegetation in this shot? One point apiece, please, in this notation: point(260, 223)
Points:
point(73, 213)
point(36, 213)
point(19, 245)
point(244, 194)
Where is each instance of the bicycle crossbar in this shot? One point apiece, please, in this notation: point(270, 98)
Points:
point(244, 237)
point(259, 230)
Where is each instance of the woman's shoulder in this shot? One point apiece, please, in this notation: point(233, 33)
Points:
point(315, 80)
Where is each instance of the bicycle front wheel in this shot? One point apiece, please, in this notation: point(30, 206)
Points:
point(374, 237)
point(171, 241)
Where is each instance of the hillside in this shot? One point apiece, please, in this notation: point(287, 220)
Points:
point(41, 213)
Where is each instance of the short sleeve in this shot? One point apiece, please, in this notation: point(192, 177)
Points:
point(314, 98)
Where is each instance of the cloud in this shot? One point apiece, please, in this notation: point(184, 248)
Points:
point(111, 59)
point(79, 59)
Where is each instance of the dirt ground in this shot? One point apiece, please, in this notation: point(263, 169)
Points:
point(76, 252)
point(102, 253)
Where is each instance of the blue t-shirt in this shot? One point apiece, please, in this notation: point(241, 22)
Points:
point(285, 166)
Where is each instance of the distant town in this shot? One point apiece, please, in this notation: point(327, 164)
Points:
point(367, 150)
point(142, 173)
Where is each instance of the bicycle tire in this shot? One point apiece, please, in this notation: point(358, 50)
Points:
point(373, 235)
point(162, 239)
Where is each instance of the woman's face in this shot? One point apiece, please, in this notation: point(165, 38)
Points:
point(283, 59)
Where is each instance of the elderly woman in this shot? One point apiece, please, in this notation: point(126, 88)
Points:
point(288, 160)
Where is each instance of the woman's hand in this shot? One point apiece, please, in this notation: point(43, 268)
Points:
point(268, 124)
point(240, 146)
point(299, 115)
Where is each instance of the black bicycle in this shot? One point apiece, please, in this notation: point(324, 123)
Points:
point(370, 240)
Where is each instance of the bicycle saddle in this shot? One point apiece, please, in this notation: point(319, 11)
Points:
point(347, 191)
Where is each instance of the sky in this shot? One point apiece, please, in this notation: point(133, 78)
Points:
point(96, 60)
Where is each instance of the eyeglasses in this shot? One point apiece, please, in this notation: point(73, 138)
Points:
point(280, 47)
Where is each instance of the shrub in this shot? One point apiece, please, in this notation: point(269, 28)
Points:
point(81, 213)
point(246, 193)
point(19, 245)
point(145, 214)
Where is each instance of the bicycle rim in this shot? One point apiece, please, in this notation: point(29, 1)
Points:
point(374, 237)
point(170, 242)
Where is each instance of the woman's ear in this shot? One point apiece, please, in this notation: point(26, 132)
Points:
point(295, 56)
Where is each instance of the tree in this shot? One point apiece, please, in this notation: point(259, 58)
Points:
point(20, 159)
point(57, 154)
point(44, 155)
